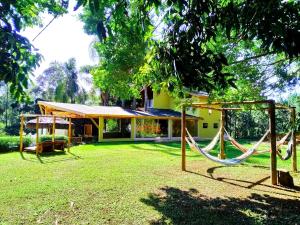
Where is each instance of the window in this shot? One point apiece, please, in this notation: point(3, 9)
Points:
point(191, 125)
point(205, 125)
point(216, 125)
point(151, 128)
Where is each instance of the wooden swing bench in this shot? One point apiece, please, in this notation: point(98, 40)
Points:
point(47, 146)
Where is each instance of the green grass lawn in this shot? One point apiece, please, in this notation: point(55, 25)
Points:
point(141, 183)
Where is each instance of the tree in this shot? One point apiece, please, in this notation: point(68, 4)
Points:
point(71, 73)
point(10, 110)
point(187, 51)
point(18, 58)
point(59, 82)
point(194, 33)
point(121, 49)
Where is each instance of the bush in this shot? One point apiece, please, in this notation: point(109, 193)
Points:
point(44, 138)
point(12, 143)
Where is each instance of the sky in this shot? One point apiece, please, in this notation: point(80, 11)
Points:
point(62, 39)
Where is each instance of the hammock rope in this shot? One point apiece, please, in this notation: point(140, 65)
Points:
point(289, 149)
point(228, 162)
point(240, 146)
point(207, 148)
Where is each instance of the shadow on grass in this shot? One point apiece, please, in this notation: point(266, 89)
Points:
point(246, 184)
point(45, 157)
point(190, 207)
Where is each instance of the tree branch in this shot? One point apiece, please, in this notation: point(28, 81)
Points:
point(253, 57)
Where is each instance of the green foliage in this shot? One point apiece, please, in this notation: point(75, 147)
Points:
point(9, 143)
point(11, 110)
point(18, 58)
point(71, 72)
point(59, 82)
point(198, 34)
point(111, 125)
point(121, 47)
point(44, 138)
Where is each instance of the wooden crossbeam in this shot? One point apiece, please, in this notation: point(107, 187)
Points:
point(94, 122)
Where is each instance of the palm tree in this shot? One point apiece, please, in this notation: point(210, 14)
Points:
point(71, 72)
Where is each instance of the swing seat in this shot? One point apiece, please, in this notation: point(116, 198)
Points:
point(47, 146)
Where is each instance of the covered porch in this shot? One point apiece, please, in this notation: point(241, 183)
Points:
point(113, 123)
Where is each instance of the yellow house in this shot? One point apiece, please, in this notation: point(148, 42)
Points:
point(209, 120)
point(161, 120)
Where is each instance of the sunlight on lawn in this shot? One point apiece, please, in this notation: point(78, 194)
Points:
point(139, 183)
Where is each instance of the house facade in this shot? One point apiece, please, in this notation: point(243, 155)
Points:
point(161, 120)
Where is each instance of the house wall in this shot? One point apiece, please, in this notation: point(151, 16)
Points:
point(164, 101)
point(161, 100)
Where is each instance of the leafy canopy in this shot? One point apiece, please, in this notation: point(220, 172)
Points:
point(196, 34)
point(121, 47)
point(18, 58)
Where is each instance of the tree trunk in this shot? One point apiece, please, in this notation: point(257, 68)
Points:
point(6, 108)
point(133, 103)
point(145, 98)
point(104, 98)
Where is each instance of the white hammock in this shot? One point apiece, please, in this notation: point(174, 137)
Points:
point(207, 148)
point(289, 149)
point(227, 162)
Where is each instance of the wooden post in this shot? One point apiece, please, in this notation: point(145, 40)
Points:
point(53, 132)
point(133, 127)
point(100, 129)
point(294, 150)
point(170, 128)
point(272, 124)
point(183, 135)
point(222, 143)
point(37, 135)
point(53, 128)
point(69, 133)
point(21, 133)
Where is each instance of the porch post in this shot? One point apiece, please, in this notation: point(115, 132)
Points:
point(170, 128)
point(100, 129)
point(69, 133)
point(53, 131)
point(133, 128)
point(37, 135)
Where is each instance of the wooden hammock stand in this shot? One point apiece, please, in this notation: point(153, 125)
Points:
point(271, 107)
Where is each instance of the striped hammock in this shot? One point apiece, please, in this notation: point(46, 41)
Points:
point(278, 145)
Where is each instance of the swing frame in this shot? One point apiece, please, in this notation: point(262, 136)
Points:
point(269, 105)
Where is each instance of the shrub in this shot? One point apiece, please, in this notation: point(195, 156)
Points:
point(11, 143)
point(49, 138)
